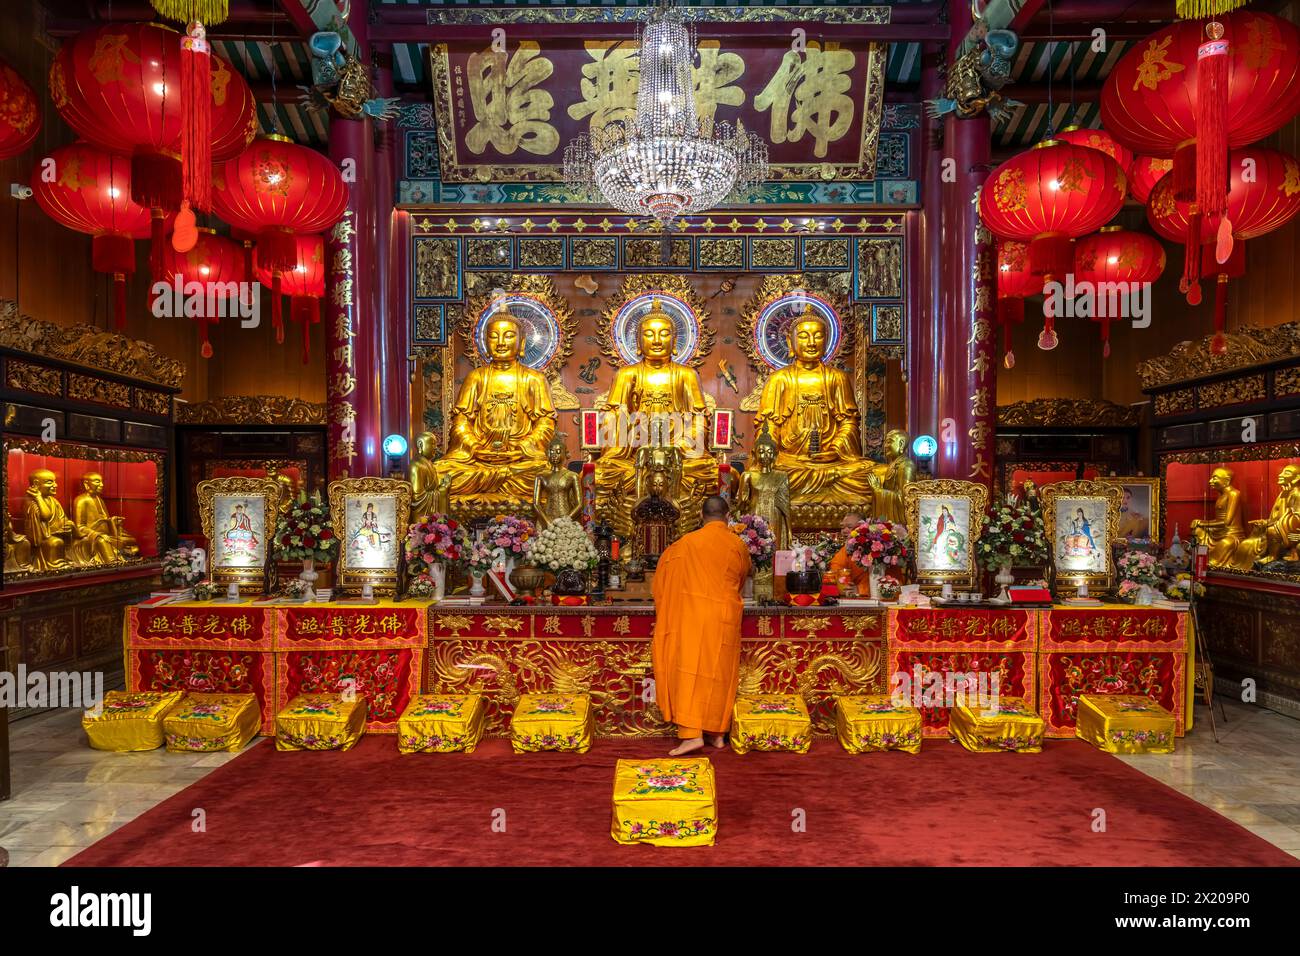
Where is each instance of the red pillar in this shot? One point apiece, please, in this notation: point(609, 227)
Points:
point(394, 327)
point(925, 336)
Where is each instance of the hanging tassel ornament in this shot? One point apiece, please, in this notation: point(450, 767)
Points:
point(1212, 62)
point(196, 125)
point(1200, 9)
point(277, 316)
point(1219, 344)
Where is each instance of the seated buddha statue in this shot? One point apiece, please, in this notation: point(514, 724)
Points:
point(501, 424)
point(669, 397)
point(103, 532)
point(45, 524)
point(809, 409)
point(1272, 538)
point(1221, 534)
point(889, 478)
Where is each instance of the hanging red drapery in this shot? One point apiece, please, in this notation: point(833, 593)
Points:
point(91, 193)
point(217, 265)
point(1115, 255)
point(20, 117)
point(1015, 284)
point(303, 282)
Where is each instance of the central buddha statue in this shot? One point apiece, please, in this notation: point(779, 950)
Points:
point(809, 410)
point(669, 396)
point(502, 422)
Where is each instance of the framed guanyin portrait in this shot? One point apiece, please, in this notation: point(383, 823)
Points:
point(371, 520)
point(1081, 519)
point(238, 516)
point(943, 521)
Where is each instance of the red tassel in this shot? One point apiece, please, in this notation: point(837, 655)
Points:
point(119, 300)
point(157, 236)
point(196, 117)
point(112, 253)
point(277, 249)
point(206, 349)
point(1051, 255)
point(1212, 123)
point(1219, 344)
point(277, 318)
point(1184, 171)
point(1190, 284)
point(156, 181)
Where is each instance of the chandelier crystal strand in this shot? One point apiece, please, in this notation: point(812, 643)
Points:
point(663, 162)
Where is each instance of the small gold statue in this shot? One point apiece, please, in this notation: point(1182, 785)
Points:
point(47, 526)
point(1223, 533)
point(811, 413)
point(890, 478)
point(655, 519)
point(557, 494)
point(1274, 538)
point(424, 477)
point(288, 490)
point(18, 550)
point(104, 532)
point(765, 491)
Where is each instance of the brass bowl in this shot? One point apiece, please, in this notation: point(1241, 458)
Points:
point(527, 579)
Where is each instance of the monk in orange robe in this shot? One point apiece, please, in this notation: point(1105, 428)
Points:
point(841, 561)
point(697, 587)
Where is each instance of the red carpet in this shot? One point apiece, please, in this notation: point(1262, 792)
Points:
point(946, 807)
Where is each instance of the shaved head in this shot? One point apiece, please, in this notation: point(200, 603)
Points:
point(851, 520)
point(714, 508)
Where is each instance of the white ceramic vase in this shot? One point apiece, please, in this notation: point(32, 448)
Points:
point(309, 577)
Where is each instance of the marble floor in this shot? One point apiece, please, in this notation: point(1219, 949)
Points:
point(67, 796)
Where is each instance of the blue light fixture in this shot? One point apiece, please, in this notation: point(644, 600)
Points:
point(925, 446)
point(394, 446)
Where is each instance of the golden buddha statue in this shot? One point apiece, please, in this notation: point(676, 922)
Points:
point(102, 531)
point(1273, 538)
point(669, 396)
point(502, 422)
point(423, 476)
point(557, 494)
point(809, 409)
point(288, 490)
point(764, 491)
point(890, 478)
point(1222, 534)
point(46, 524)
point(18, 550)
point(655, 521)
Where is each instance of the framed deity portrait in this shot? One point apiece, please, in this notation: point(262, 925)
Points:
point(1082, 522)
point(943, 521)
point(371, 516)
point(1139, 509)
point(238, 515)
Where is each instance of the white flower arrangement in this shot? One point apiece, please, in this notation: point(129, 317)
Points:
point(563, 544)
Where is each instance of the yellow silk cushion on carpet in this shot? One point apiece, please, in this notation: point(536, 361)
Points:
point(212, 722)
point(441, 723)
point(552, 722)
point(1125, 724)
point(771, 722)
point(129, 720)
point(668, 802)
point(875, 722)
point(1012, 726)
point(320, 722)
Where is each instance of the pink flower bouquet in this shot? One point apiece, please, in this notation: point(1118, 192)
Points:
point(879, 542)
point(436, 538)
point(757, 537)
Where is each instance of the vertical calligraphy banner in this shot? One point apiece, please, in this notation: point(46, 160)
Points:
point(982, 363)
point(340, 360)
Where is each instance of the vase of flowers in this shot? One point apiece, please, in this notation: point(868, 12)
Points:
point(430, 545)
point(566, 550)
point(422, 586)
point(1011, 533)
point(1183, 586)
point(881, 547)
point(758, 539)
point(305, 533)
point(509, 536)
point(807, 568)
point(888, 588)
point(477, 556)
point(1140, 576)
point(180, 569)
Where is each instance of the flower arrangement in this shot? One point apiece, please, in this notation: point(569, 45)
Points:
point(890, 588)
point(436, 538)
point(879, 542)
point(294, 588)
point(757, 537)
point(306, 531)
point(476, 554)
point(1011, 533)
point(206, 591)
point(177, 569)
point(420, 586)
point(816, 556)
point(563, 544)
point(510, 534)
point(1182, 587)
point(1139, 567)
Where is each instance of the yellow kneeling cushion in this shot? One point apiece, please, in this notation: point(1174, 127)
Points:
point(667, 802)
point(129, 720)
point(876, 722)
point(771, 722)
point(320, 722)
point(1125, 724)
point(1011, 726)
point(552, 722)
point(212, 722)
point(441, 723)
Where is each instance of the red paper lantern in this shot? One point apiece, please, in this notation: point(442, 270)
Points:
point(1182, 93)
point(1147, 171)
point(20, 117)
point(1116, 255)
point(1015, 284)
point(1098, 139)
point(90, 192)
point(217, 265)
point(303, 282)
point(120, 87)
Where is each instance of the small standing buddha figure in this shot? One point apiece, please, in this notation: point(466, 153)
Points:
point(423, 476)
point(811, 413)
point(288, 490)
point(655, 520)
point(557, 494)
point(502, 422)
point(1222, 533)
point(764, 491)
point(889, 479)
point(45, 523)
point(1273, 538)
point(105, 531)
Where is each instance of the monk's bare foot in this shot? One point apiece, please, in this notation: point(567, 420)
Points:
point(690, 745)
point(718, 740)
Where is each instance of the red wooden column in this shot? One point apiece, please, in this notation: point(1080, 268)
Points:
point(925, 333)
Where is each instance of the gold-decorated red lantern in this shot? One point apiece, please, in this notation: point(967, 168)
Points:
point(277, 190)
point(303, 282)
point(1098, 139)
point(20, 117)
point(90, 192)
point(1146, 172)
point(216, 264)
point(1015, 284)
point(1116, 255)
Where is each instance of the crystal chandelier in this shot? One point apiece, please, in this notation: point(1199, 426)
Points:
point(664, 162)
